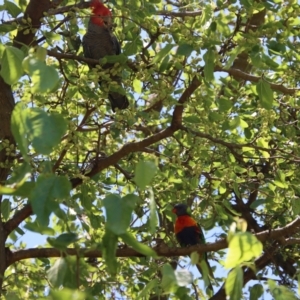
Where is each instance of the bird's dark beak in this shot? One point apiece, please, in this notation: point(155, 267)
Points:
point(174, 210)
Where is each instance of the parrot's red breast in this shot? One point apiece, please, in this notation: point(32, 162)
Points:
point(183, 222)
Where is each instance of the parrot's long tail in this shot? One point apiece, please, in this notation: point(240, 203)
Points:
point(206, 271)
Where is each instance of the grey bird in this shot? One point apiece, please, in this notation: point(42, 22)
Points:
point(98, 42)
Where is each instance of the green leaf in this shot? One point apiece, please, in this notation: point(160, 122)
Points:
point(57, 272)
point(121, 58)
point(44, 130)
point(165, 64)
point(67, 294)
point(153, 214)
point(209, 59)
point(109, 246)
point(86, 196)
point(147, 289)
point(44, 79)
point(194, 258)
point(168, 282)
point(256, 291)
point(5, 28)
point(257, 203)
point(234, 283)
point(243, 246)
point(137, 86)
point(12, 8)
point(265, 94)
point(47, 189)
point(22, 189)
point(119, 211)
point(162, 53)
point(5, 208)
point(131, 241)
point(182, 293)
point(224, 104)
point(144, 173)
point(37, 227)
point(63, 240)
point(19, 129)
point(215, 117)
point(11, 296)
point(41, 53)
point(133, 47)
point(20, 172)
point(295, 206)
point(192, 119)
point(184, 49)
point(204, 271)
point(280, 292)
point(11, 66)
point(31, 63)
point(276, 48)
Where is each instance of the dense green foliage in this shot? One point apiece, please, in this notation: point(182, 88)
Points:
point(213, 121)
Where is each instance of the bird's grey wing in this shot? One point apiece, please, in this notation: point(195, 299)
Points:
point(116, 45)
point(86, 49)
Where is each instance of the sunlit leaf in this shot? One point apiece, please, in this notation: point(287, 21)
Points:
point(137, 86)
point(131, 241)
point(44, 79)
point(147, 289)
point(12, 8)
point(169, 281)
point(11, 67)
point(242, 248)
point(163, 52)
point(234, 283)
point(19, 129)
point(280, 292)
point(57, 272)
point(183, 277)
point(67, 294)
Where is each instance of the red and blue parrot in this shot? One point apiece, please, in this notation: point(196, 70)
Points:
point(189, 233)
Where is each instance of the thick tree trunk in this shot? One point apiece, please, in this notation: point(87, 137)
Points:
point(7, 104)
point(35, 11)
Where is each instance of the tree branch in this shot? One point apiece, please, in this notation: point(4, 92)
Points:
point(161, 250)
point(34, 11)
point(237, 74)
point(18, 218)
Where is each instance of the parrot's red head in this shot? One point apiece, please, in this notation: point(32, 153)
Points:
point(101, 14)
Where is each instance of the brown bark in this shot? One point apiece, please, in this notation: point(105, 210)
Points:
point(35, 11)
point(161, 249)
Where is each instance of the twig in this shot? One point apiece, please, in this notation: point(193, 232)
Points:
point(242, 75)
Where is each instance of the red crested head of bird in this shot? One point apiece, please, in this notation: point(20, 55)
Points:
point(101, 15)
